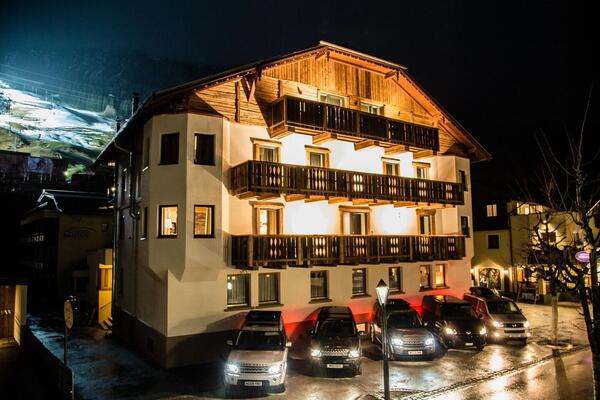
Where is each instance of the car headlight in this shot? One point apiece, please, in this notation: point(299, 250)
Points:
point(315, 352)
point(232, 368)
point(354, 353)
point(428, 341)
point(483, 331)
point(396, 341)
point(526, 324)
point(450, 331)
point(497, 324)
point(275, 369)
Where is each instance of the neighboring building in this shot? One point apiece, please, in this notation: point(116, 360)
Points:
point(56, 237)
point(285, 184)
point(98, 291)
point(13, 309)
point(504, 237)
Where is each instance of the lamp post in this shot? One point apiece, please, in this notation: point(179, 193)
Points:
point(382, 295)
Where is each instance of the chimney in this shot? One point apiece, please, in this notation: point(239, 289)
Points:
point(135, 102)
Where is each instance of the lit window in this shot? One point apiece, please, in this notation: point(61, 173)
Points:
point(440, 275)
point(268, 288)
point(167, 221)
point(318, 285)
point(355, 223)
point(203, 221)
point(204, 149)
point(359, 281)
point(424, 277)
point(238, 290)
point(268, 220)
point(426, 226)
point(491, 210)
point(169, 149)
point(317, 157)
point(395, 278)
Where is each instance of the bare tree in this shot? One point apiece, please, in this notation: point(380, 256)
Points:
point(571, 184)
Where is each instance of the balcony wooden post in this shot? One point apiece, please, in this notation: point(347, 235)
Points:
point(300, 249)
point(342, 249)
point(251, 252)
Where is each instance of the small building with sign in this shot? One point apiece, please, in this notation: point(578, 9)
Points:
point(55, 239)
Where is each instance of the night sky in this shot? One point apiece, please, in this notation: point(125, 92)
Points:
point(505, 69)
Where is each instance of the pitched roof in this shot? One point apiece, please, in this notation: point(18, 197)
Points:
point(145, 111)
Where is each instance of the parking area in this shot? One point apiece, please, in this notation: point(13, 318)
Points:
point(104, 368)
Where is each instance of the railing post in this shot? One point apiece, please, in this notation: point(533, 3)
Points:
point(342, 249)
point(300, 249)
point(250, 252)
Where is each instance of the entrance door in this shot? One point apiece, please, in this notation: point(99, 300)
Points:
point(7, 311)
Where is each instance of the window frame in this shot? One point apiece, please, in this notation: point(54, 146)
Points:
point(363, 210)
point(259, 205)
point(399, 289)
point(497, 243)
point(247, 287)
point(330, 94)
point(371, 105)
point(257, 143)
point(326, 275)
point(462, 230)
point(390, 161)
point(364, 283)
point(161, 158)
point(277, 278)
point(429, 283)
point(491, 210)
point(213, 160)
point(212, 221)
point(462, 178)
point(431, 215)
point(160, 218)
point(319, 150)
point(432, 278)
point(426, 166)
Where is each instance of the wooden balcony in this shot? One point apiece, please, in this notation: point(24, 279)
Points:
point(260, 178)
point(291, 114)
point(280, 251)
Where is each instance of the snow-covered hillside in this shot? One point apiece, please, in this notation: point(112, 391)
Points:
point(43, 127)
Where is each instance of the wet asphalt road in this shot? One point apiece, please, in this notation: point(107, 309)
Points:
point(106, 370)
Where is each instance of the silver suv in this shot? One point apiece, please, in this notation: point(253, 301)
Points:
point(258, 358)
point(503, 319)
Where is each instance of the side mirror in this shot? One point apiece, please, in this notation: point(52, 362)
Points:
point(309, 331)
point(229, 343)
point(288, 344)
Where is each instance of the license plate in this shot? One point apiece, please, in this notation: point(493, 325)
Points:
point(469, 344)
point(253, 383)
point(415, 352)
point(335, 366)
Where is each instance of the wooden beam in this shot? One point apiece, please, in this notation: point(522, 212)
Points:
point(252, 88)
point(357, 202)
point(398, 204)
point(237, 101)
point(311, 199)
point(391, 74)
point(269, 196)
point(247, 195)
point(379, 203)
point(333, 200)
point(281, 132)
point(397, 149)
point(321, 55)
point(294, 197)
point(424, 154)
point(324, 138)
point(363, 144)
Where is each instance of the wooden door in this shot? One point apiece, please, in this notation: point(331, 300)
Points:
point(7, 311)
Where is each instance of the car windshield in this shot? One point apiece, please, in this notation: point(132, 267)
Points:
point(503, 307)
point(458, 311)
point(336, 327)
point(404, 320)
point(257, 340)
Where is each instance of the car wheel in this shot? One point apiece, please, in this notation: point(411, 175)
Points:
point(280, 388)
point(358, 370)
point(479, 348)
point(315, 370)
point(229, 390)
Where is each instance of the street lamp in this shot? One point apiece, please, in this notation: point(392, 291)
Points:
point(382, 295)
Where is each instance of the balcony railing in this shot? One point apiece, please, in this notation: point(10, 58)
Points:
point(276, 251)
point(263, 177)
point(321, 117)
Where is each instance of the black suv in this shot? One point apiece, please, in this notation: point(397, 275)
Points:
point(335, 341)
point(407, 334)
point(454, 321)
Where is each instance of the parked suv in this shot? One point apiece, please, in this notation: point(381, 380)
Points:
point(258, 357)
point(407, 333)
point(503, 319)
point(335, 341)
point(454, 321)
